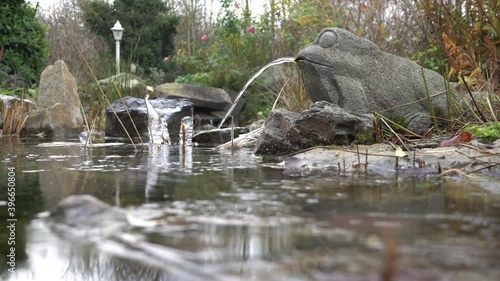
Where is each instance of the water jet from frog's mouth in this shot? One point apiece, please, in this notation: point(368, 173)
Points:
point(240, 94)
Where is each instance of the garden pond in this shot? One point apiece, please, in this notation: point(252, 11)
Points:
point(235, 216)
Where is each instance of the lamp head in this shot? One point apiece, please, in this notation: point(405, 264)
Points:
point(117, 30)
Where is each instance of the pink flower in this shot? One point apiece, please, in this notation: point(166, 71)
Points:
point(204, 38)
point(250, 29)
point(236, 5)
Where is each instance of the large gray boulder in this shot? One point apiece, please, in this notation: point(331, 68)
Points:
point(173, 109)
point(59, 106)
point(352, 72)
point(323, 123)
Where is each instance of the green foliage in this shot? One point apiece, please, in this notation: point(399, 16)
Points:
point(149, 28)
point(257, 106)
point(432, 58)
point(306, 20)
point(198, 79)
point(489, 132)
point(236, 47)
point(365, 137)
point(156, 76)
point(17, 92)
point(23, 43)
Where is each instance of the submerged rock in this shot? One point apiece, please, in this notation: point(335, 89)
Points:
point(322, 123)
point(87, 215)
point(353, 73)
point(86, 211)
point(173, 109)
point(59, 106)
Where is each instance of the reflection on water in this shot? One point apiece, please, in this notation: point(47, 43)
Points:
point(238, 217)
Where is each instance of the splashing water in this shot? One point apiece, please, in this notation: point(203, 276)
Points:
point(186, 131)
point(84, 138)
point(157, 125)
point(240, 94)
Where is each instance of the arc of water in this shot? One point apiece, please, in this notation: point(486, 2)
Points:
point(157, 125)
point(152, 117)
point(240, 94)
point(152, 113)
point(186, 131)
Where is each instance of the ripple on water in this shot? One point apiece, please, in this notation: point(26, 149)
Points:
point(33, 171)
point(258, 222)
point(77, 144)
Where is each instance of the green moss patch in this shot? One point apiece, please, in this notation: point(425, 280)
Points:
point(489, 132)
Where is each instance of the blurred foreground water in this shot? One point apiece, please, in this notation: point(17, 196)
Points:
point(239, 217)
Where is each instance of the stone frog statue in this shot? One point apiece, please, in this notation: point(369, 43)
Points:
point(353, 73)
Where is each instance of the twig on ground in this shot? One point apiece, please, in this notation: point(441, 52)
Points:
point(395, 134)
point(457, 171)
point(474, 100)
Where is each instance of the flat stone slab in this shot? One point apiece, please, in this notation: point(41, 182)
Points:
point(204, 97)
point(468, 160)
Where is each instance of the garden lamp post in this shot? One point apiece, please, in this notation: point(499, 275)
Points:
point(117, 33)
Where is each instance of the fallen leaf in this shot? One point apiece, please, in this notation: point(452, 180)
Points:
point(463, 136)
point(400, 153)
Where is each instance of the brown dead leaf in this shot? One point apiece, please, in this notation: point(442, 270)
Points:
point(463, 136)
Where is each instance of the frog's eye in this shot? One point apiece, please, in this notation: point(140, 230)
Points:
point(328, 39)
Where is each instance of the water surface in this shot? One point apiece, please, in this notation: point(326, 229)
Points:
point(239, 217)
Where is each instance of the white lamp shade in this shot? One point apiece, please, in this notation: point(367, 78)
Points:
point(117, 30)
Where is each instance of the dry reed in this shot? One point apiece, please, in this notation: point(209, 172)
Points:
point(14, 117)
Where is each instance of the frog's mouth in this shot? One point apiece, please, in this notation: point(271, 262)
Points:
point(301, 60)
point(310, 66)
